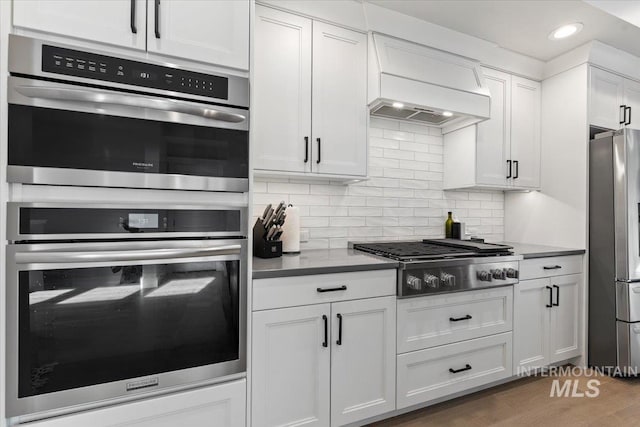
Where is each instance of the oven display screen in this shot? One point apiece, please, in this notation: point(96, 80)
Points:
point(143, 220)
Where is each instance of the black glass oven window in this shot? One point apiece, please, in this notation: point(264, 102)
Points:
point(44, 137)
point(82, 327)
point(88, 220)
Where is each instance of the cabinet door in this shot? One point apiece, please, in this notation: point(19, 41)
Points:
point(291, 366)
point(363, 359)
point(214, 32)
point(525, 132)
point(565, 318)
point(117, 22)
point(282, 91)
point(339, 117)
point(605, 98)
point(531, 323)
point(632, 100)
point(494, 135)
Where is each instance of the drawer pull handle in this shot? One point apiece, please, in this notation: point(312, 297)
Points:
point(453, 319)
point(340, 288)
point(552, 267)
point(455, 371)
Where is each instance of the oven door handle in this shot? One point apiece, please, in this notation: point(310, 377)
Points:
point(117, 256)
point(104, 97)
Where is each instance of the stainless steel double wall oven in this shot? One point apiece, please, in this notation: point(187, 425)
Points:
point(83, 118)
point(109, 302)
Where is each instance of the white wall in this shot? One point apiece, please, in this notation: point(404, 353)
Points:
point(402, 200)
point(557, 215)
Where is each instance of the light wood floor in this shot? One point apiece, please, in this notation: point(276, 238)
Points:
point(526, 402)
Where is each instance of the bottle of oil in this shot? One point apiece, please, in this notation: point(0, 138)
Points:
point(448, 226)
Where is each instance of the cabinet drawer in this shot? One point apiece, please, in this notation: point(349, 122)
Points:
point(426, 375)
point(443, 319)
point(552, 266)
point(280, 292)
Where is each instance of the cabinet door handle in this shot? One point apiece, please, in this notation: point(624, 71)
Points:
point(157, 17)
point(628, 121)
point(339, 288)
point(516, 164)
point(134, 30)
point(623, 114)
point(551, 267)
point(326, 331)
point(557, 303)
point(453, 319)
point(467, 367)
point(306, 149)
point(319, 150)
point(550, 297)
point(339, 342)
point(509, 164)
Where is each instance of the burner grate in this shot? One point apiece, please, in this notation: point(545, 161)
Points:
point(411, 250)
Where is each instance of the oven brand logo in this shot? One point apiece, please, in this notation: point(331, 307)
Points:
point(571, 388)
point(142, 165)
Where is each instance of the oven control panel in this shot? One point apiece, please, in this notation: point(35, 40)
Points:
point(78, 63)
point(428, 278)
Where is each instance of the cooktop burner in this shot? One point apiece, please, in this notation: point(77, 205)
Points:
point(432, 249)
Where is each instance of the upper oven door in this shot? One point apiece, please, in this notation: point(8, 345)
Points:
point(66, 134)
point(94, 321)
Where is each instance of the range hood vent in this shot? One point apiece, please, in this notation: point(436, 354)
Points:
point(427, 85)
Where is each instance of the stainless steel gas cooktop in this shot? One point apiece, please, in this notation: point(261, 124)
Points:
point(447, 265)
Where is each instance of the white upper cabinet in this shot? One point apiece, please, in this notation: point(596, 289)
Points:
point(504, 151)
point(310, 97)
point(116, 22)
point(605, 99)
point(614, 101)
point(339, 100)
point(493, 136)
point(282, 91)
point(525, 133)
point(211, 32)
point(214, 32)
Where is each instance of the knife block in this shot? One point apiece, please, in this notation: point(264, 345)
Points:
point(263, 248)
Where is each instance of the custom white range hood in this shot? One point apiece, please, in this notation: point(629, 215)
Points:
point(420, 84)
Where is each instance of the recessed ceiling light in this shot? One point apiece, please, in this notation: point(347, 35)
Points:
point(565, 31)
point(398, 105)
point(447, 113)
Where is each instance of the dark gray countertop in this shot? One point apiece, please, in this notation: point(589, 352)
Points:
point(319, 261)
point(540, 251)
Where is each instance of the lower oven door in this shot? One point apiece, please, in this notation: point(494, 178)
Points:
point(94, 321)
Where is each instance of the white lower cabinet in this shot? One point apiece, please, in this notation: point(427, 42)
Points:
point(362, 359)
point(324, 364)
point(291, 367)
point(547, 320)
point(223, 405)
point(436, 372)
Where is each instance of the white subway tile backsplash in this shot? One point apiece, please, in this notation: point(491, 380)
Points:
point(403, 199)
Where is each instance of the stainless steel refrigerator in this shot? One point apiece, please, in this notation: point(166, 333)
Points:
point(614, 250)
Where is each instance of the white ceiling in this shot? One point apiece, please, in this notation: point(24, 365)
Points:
point(523, 26)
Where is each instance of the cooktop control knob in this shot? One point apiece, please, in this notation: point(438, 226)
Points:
point(414, 283)
point(431, 281)
point(499, 273)
point(512, 273)
point(448, 280)
point(484, 276)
